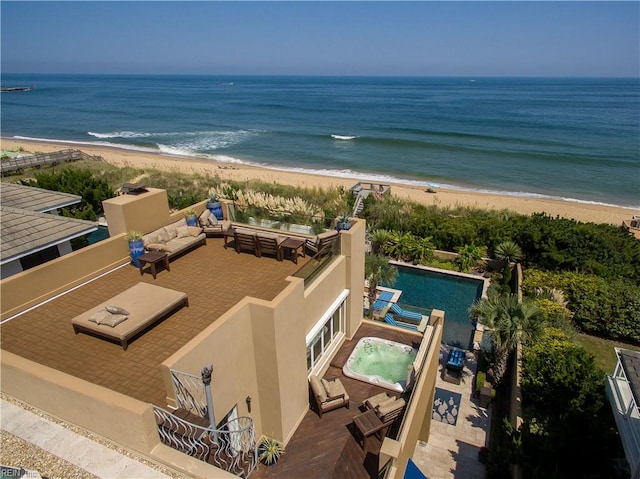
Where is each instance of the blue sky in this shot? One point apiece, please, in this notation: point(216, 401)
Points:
point(323, 38)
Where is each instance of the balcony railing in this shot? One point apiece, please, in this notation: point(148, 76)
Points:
point(232, 447)
point(311, 269)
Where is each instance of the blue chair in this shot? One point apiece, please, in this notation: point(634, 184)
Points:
point(455, 359)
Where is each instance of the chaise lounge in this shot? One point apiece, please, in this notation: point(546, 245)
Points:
point(329, 395)
point(387, 408)
point(135, 309)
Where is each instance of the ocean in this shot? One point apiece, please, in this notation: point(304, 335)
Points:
point(576, 139)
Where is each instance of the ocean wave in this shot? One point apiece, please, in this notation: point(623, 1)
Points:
point(337, 173)
point(120, 134)
point(343, 137)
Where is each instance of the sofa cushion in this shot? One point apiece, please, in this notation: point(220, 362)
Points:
point(386, 402)
point(177, 224)
point(182, 232)
point(326, 234)
point(394, 406)
point(335, 389)
point(157, 247)
point(212, 220)
point(318, 388)
point(150, 238)
point(193, 230)
point(163, 236)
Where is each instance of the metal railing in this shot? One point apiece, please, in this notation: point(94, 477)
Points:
point(189, 392)
point(232, 447)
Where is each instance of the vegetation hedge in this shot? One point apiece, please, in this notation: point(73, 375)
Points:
point(603, 307)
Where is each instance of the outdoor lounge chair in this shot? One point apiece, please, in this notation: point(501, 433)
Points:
point(455, 360)
point(328, 395)
point(321, 241)
point(246, 240)
point(270, 244)
point(388, 408)
point(211, 226)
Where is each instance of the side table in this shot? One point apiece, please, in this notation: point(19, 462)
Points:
point(153, 258)
point(294, 246)
point(366, 424)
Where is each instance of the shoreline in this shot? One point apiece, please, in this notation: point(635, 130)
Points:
point(118, 156)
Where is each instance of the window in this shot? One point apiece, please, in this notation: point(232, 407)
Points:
point(322, 335)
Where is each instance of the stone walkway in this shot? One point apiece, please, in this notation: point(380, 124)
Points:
point(452, 451)
point(41, 445)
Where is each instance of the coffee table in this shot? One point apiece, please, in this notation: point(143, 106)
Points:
point(153, 258)
point(366, 424)
point(294, 246)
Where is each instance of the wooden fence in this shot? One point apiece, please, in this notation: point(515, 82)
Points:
point(16, 165)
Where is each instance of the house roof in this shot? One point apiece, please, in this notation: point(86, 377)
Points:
point(25, 232)
point(34, 199)
point(630, 361)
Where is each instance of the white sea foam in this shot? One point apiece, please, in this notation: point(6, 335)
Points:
point(120, 134)
point(345, 173)
point(343, 137)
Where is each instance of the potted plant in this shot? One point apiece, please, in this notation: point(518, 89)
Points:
point(136, 246)
point(269, 451)
point(343, 222)
point(192, 217)
point(215, 207)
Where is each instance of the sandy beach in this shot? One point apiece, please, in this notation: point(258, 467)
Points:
point(122, 157)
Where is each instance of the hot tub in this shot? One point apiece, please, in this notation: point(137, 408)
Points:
point(382, 362)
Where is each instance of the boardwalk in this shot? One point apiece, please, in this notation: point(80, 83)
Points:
point(20, 163)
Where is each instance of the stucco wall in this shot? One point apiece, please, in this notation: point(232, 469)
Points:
point(125, 420)
point(42, 282)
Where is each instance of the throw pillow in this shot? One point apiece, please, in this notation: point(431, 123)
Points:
point(114, 319)
point(194, 230)
point(117, 310)
point(149, 239)
point(203, 219)
point(171, 231)
point(213, 221)
point(182, 232)
point(334, 389)
point(163, 236)
point(100, 316)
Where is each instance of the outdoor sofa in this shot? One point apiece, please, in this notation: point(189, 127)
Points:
point(174, 238)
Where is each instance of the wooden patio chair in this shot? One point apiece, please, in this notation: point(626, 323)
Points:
point(246, 240)
point(270, 244)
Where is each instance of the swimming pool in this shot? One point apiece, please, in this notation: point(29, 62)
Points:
point(452, 293)
point(381, 362)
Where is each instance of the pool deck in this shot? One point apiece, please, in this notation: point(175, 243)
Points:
point(452, 451)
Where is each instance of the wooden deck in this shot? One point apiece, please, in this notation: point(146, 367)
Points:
point(327, 447)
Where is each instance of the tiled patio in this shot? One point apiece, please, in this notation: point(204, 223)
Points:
point(452, 451)
point(214, 279)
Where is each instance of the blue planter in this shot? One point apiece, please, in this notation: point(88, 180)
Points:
point(136, 249)
point(216, 209)
point(343, 226)
point(192, 221)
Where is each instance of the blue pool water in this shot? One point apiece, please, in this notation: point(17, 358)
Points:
point(450, 293)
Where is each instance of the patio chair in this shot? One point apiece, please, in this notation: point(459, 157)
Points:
point(328, 395)
point(317, 244)
point(211, 226)
point(270, 244)
point(389, 410)
point(455, 360)
point(246, 240)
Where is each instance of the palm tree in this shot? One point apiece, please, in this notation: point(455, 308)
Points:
point(377, 270)
point(507, 252)
point(379, 240)
point(469, 256)
point(422, 250)
point(512, 321)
